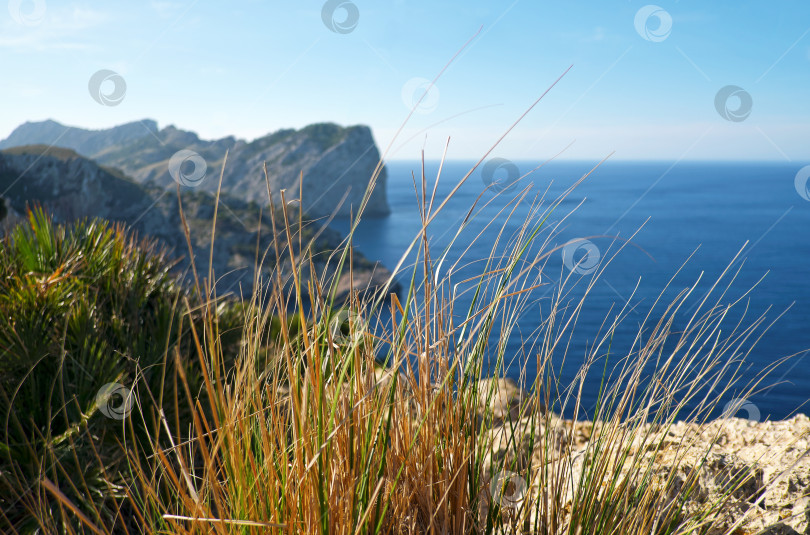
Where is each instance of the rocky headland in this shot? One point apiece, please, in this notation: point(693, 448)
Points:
point(331, 165)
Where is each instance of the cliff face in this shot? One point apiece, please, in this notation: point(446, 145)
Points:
point(336, 163)
point(69, 187)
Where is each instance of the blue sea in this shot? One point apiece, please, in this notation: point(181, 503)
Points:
point(689, 221)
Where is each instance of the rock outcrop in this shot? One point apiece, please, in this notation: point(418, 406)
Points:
point(760, 471)
point(332, 165)
point(70, 187)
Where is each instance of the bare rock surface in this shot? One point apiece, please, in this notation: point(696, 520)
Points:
point(763, 468)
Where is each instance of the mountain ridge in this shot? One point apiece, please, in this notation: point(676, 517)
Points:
point(332, 165)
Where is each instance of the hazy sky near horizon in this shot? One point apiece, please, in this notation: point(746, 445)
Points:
point(648, 81)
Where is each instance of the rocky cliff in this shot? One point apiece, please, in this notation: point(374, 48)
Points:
point(332, 165)
point(71, 187)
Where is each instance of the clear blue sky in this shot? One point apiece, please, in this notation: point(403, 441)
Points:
point(247, 68)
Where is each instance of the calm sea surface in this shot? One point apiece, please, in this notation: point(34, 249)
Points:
point(704, 210)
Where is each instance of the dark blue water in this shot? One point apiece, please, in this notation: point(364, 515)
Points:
point(706, 210)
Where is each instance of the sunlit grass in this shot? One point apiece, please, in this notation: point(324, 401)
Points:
point(307, 434)
point(298, 428)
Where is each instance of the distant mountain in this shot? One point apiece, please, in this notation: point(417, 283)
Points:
point(336, 162)
point(85, 142)
point(70, 187)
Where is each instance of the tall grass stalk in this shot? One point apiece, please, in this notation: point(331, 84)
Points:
point(309, 433)
point(381, 423)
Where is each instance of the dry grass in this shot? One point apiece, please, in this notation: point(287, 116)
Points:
point(308, 433)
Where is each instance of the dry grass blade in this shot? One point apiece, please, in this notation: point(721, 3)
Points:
point(65, 501)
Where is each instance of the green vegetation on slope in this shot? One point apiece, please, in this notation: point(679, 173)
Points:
point(81, 307)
